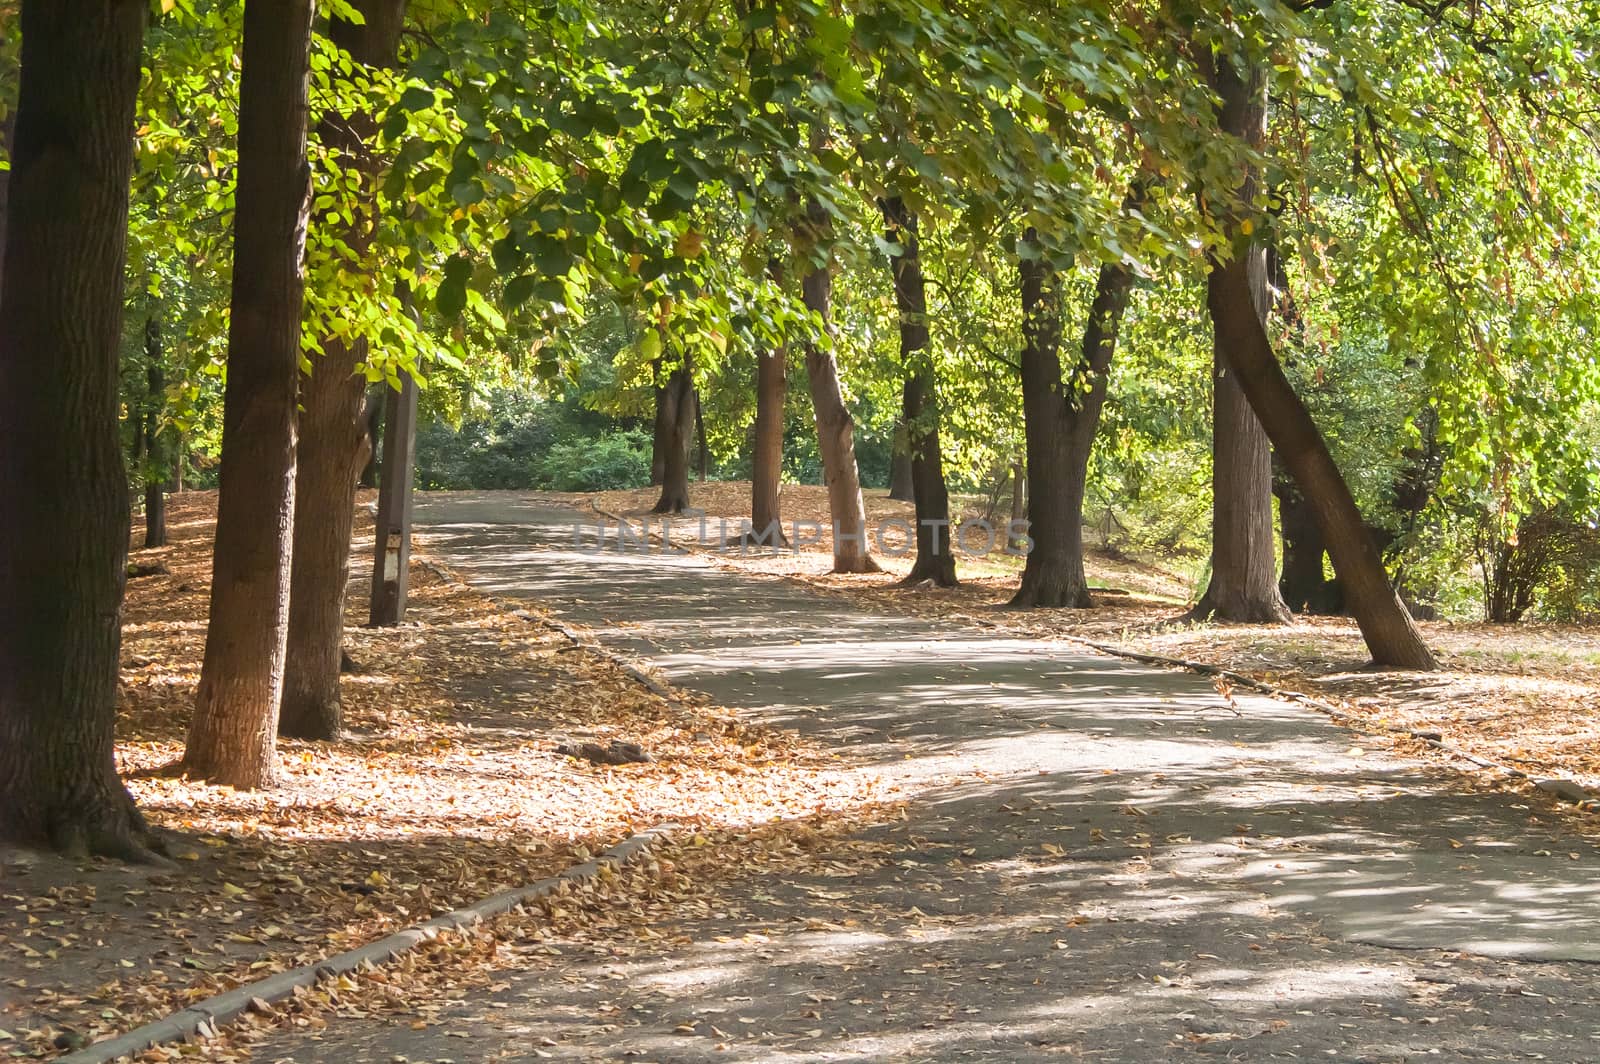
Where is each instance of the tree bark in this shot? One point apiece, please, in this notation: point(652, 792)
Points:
point(1391, 635)
point(1244, 578)
point(835, 427)
point(936, 559)
point(64, 539)
point(766, 470)
point(233, 737)
point(902, 485)
point(676, 421)
point(1060, 423)
point(7, 127)
point(333, 428)
point(155, 477)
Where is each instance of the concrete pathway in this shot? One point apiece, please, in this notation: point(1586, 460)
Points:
point(1103, 861)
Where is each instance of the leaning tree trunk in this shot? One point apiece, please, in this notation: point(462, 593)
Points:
point(936, 559)
point(233, 737)
point(64, 537)
point(155, 475)
point(1060, 424)
point(333, 427)
point(676, 423)
point(1391, 635)
point(1244, 578)
point(766, 472)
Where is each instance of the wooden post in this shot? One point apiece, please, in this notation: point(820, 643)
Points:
point(392, 549)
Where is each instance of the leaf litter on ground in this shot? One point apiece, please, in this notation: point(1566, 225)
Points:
point(447, 788)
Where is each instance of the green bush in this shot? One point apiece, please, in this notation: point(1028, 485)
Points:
point(618, 459)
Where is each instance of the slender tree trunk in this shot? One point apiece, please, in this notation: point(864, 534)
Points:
point(155, 479)
point(766, 469)
point(662, 430)
point(936, 559)
point(703, 456)
point(64, 538)
point(233, 737)
point(1244, 578)
point(372, 429)
point(333, 428)
point(1060, 425)
point(1019, 503)
point(677, 422)
point(836, 440)
point(1391, 635)
point(902, 486)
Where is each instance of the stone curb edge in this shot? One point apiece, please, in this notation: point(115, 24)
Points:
point(204, 1017)
point(1560, 787)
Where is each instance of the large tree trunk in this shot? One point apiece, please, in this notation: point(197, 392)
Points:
point(766, 471)
point(677, 424)
point(233, 737)
point(1060, 423)
point(1244, 582)
point(835, 428)
point(64, 537)
point(936, 559)
point(333, 428)
point(1391, 635)
point(155, 477)
point(7, 126)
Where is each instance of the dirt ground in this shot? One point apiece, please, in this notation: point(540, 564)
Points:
point(447, 789)
point(1527, 696)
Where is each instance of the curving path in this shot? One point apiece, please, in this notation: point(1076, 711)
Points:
point(1102, 861)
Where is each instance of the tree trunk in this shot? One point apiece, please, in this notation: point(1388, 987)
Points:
point(902, 485)
point(1060, 423)
point(333, 428)
point(372, 427)
point(661, 431)
point(1304, 587)
point(703, 457)
point(1019, 504)
point(836, 440)
point(233, 737)
point(766, 470)
point(1244, 579)
point(6, 129)
point(936, 559)
point(64, 539)
point(155, 475)
point(1391, 635)
point(676, 421)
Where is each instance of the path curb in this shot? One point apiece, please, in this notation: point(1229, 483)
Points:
point(204, 1017)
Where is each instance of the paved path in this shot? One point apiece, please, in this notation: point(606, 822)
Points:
point(1103, 861)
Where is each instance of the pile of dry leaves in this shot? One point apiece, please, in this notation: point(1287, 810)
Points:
point(448, 788)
